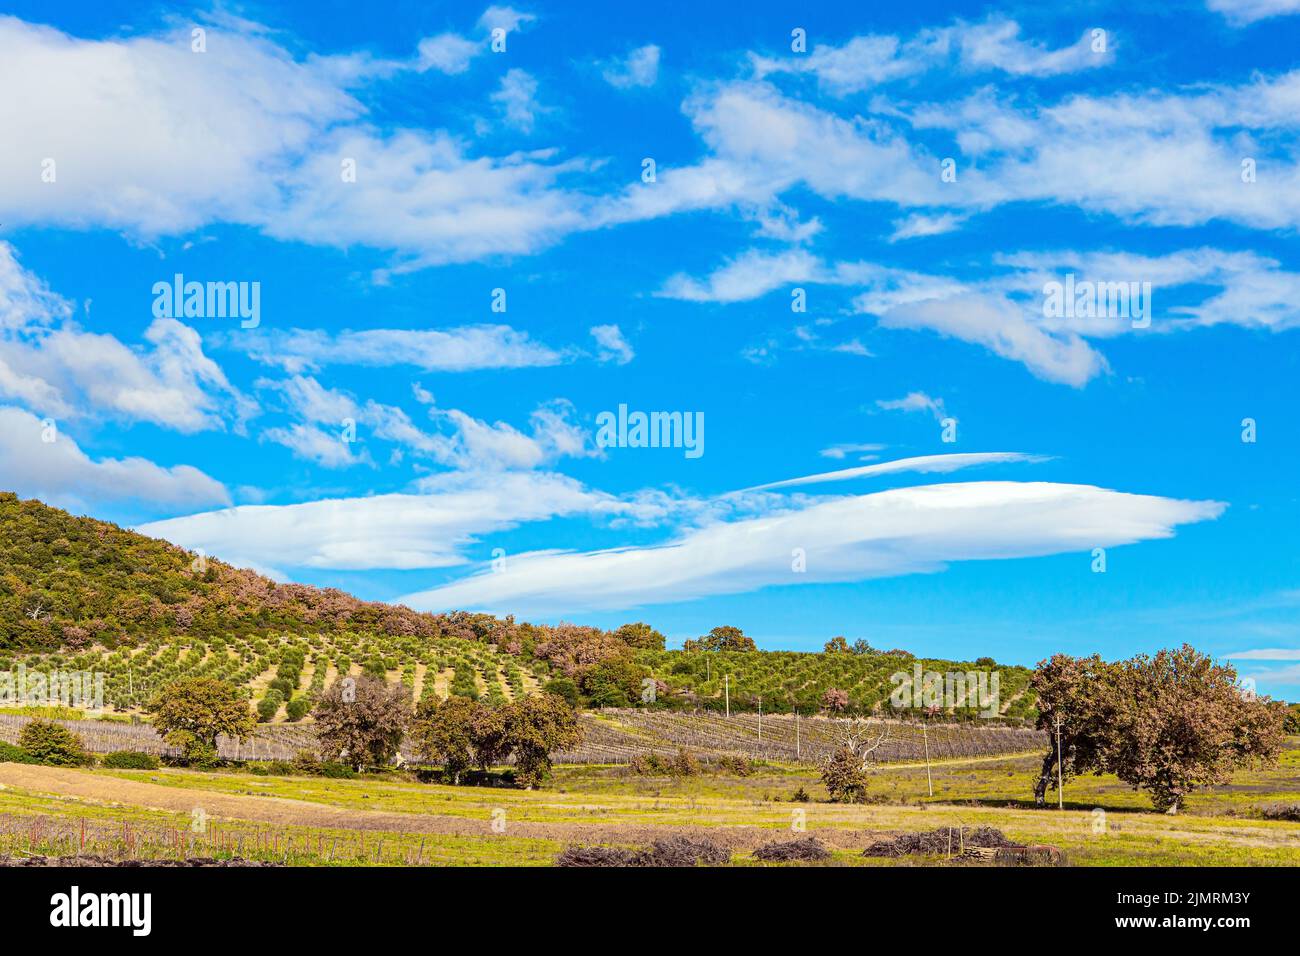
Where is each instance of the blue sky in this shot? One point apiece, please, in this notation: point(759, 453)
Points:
point(383, 429)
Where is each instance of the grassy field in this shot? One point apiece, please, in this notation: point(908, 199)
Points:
point(395, 820)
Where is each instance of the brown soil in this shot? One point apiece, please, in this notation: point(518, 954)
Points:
point(102, 789)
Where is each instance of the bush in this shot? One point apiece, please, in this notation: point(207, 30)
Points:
point(11, 754)
point(129, 760)
point(844, 777)
point(53, 744)
point(736, 765)
point(307, 762)
point(269, 705)
point(298, 708)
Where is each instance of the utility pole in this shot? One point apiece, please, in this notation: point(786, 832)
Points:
point(1060, 759)
point(727, 690)
point(925, 736)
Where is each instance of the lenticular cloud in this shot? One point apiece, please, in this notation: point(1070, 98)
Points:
point(902, 531)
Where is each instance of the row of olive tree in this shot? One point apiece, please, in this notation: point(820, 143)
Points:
point(1166, 724)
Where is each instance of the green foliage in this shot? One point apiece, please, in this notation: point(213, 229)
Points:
point(723, 638)
point(298, 708)
point(563, 687)
point(191, 713)
point(71, 582)
point(844, 776)
point(640, 636)
point(11, 754)
point(53, 744)
point(269, 705)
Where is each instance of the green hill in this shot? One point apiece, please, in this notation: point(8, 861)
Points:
point(78, 594)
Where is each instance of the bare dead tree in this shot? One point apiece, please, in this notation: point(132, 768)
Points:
point(858, 737)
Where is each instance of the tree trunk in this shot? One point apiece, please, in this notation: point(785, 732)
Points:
point(1045, 776)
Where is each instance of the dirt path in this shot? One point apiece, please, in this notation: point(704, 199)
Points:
point(106, 790)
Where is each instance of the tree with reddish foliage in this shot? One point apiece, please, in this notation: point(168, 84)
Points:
point(1167, 724)
point(1183, 722)
point(835, 701)
point(362, 720)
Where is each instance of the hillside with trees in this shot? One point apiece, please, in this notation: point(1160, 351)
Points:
point(86, 595)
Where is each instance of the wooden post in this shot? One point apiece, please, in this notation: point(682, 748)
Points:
point(925, 736)
point(798, 751)
point(727, 685)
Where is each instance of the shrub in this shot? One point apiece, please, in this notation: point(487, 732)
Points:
point(845, 777)
point(736, 765)
point(53, 744)
point(298, 708)
point(307, 762)
point(686, 764)
point(11, 754)
point(129, 760)
point(269, 705)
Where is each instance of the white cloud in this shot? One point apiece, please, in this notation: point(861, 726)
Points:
point(396, 531)
point(467, 348)
point(925, 464)
point(1266, 654)
point(1004, 329)
point(915, 402)
point(853, 538)
point(994, 45)
point(448, 53)
point(748, 276)
point(920, 224)
point(316, 445)
point(639, 68)
point(517, 99)
point(239, 153)
point(613, 347)
point(504, 18)
point(840, 452)
point(1244, 12)
point(55, 367)
point(60, 473)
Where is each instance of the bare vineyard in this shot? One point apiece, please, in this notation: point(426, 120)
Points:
point(616, 736)
point(68, 837)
